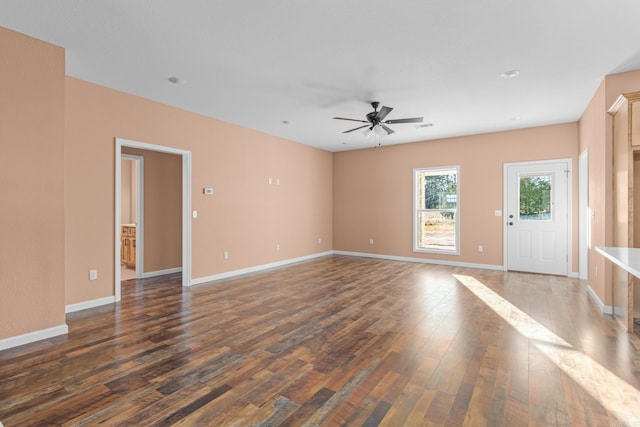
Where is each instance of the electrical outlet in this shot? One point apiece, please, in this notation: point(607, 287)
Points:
point(371, 241)
point(93, 274)
point(225, 255)
point(480, 248)
point(319, 240)
point(596, 271)
point(278, 247)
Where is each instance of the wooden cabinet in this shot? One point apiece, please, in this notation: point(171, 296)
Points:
point(626, 198)
point(128, 245)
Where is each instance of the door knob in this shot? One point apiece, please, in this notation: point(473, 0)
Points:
point(510, 223)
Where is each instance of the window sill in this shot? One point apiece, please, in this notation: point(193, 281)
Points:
point(436, 251)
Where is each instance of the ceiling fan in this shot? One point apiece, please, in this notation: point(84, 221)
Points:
point(376, 121)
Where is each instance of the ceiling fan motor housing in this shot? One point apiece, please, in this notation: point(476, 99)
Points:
point(372, 115)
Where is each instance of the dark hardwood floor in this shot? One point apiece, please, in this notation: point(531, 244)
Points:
point(334, 341)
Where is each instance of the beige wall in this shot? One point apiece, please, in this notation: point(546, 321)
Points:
point(596, 135)
point(162, 209)
point(32, 255)
point(592, 130)
point(127, 192)
point(57, 179)
point(373, 190)
point(246, 216)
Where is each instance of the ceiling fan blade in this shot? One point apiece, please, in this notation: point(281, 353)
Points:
point(352, 120)
point(387, 129)
point(384, 111)
point(411, 120)
point(360, 127)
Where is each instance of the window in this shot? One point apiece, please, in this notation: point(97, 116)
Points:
point(436, 219)
point(535, 197)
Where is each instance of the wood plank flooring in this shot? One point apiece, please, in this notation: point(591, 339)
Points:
point(334, 341)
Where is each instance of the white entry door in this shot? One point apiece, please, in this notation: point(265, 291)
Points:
point(537, 217)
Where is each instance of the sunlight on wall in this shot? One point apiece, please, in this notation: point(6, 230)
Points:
point(618, 397)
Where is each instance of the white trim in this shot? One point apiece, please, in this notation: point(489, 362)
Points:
point(139, 211)
point(34, 336)
point(605, 309)
point(505, 180)
point(258, 268)
point(573, 275)
point(118, 225)
point(583, 215)
point(186, 206)
point(161, 272)
point(421, 260)
point(71, 308)
point(186, 218)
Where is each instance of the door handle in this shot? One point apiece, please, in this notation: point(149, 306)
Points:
point(510, 223)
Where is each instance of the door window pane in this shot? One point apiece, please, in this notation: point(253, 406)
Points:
point(535, 198)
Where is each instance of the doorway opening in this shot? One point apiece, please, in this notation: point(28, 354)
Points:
point(185, 213)
point(131, 217)
point(584, 221)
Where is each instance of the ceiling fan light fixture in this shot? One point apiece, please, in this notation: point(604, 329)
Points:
point(379, 130)
point(367, 132)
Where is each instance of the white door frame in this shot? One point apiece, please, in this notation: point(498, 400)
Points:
point(139, 211)
point(186, 206)
point(505, 178)
point(584, 219)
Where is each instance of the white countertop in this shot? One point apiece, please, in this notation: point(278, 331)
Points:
point(627, 258)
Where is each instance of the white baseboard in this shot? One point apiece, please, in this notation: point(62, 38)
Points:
point(605, 309)
point(257, 268)
point(573, 275)
point(34, 336)
point(156, 273)
point(422, 260)
point(89, 304)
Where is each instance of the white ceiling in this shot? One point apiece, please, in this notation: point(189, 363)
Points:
point(260, 63)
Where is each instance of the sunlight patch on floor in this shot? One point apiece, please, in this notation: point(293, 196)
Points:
point(617, 396)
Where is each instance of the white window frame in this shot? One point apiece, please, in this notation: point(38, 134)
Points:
point(416, 210)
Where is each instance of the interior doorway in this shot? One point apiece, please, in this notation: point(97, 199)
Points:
point(132, 217)
point(185, 157)
point(584, 221)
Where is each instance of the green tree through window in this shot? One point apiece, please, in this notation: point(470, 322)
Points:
point(535, 197)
